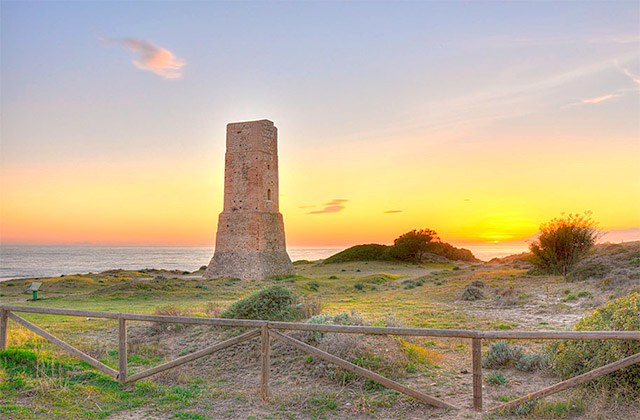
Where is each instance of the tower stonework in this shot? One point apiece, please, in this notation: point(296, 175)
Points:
point(250, 242)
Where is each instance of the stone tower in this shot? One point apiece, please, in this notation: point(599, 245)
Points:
point(250, 241)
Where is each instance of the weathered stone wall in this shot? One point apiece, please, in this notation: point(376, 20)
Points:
point(250, 243)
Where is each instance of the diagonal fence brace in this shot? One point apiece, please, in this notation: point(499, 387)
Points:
point(65, 346)
point(196, 355)
point(362, 371)
point(569, 383)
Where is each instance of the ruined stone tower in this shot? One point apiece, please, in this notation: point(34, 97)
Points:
point(250, 241)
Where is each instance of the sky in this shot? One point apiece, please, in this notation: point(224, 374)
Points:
point(480, 120)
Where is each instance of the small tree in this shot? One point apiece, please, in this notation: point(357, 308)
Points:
point(563, 242)
point(413, 245)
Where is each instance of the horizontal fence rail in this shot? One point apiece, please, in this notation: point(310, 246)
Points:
point(269, 330)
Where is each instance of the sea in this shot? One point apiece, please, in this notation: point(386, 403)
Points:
point(32, 261)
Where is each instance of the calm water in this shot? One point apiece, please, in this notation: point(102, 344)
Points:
point(50, 261)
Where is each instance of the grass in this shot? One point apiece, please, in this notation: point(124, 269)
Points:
point(64, 387)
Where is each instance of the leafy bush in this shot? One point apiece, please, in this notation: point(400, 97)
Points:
point(532, 361)
point(563, 242)
point(314, 286)
point(501, 354)
point(472, 293)
point(359, 286)
point(413, 246)
point(591, 270)
point(574, 357)
point(274, 303)
point(450, 252)
point(496, 378)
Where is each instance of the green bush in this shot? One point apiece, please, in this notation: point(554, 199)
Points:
point(532, 361)
point(413, 246)
point(496, 378)
point(274, 303)
point(501, 354)
point(574, 357)
point(589, 270)
point(563, 242)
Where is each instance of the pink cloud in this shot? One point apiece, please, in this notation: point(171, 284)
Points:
point(151, 58)
point(597, 100)
point(332, 206)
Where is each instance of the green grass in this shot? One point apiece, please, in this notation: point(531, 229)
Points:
point(64, 387)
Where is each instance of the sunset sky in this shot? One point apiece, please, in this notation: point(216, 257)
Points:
point(477, 120)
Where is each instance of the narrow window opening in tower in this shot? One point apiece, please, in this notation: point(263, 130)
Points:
point(269, 194)
point(268, 166)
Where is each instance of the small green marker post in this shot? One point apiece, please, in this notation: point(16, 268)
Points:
point(33, 288)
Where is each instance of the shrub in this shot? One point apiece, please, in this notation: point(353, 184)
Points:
point(472, 293)
point(574, 357)
point(274, 303)
point(591, 270)
point(414, 246)
point(563, 242)
point(451, 252)
point(496, 378)
point(359, 286)
point(314, 286)
point(532, 361)
point(501, 354)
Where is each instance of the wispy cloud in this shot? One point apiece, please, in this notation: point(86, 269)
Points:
point(635, 78)
point(332, 206)
point(599, 99)
point(152, 58)
point(392, 211)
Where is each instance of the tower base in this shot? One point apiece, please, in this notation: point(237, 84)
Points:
point(249, 265)
point(250, 245)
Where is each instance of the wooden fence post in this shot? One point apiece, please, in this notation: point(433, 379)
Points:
point(122, 350)
point(3, 329)
point(265, 363)
point(476, 358)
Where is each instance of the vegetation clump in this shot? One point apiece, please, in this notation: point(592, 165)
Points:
point(382, 354)
point(532, 361)
point(414, 246)
point(496, 378)
point(574, 357)
point(274, 303)
point(563, 242)
point(472, 293)
point(501, 354)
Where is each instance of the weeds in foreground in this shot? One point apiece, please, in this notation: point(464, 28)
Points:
point(61, 387)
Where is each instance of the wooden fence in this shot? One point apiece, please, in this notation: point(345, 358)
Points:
point(268, 330)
